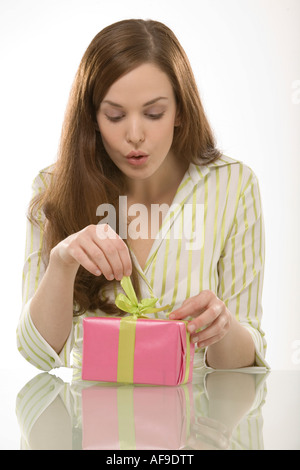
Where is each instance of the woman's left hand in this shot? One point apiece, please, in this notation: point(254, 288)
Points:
point(210, 315)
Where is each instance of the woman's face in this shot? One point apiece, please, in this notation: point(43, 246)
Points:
point(136, 120)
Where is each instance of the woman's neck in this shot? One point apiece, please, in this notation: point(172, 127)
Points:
point(159, 186)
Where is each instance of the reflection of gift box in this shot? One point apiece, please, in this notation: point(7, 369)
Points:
point(134, 417)
point(136, 350)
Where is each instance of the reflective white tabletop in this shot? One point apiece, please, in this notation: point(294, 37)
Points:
point(225, 410)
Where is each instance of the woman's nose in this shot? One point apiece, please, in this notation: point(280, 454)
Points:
point(135, 131)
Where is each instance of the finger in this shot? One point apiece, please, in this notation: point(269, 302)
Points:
point(96, 256)
point(193, 306)
point(212, 334)
point(124, 255)
point(196, 443)
point(83, 259)
point(115, 250)
point(208, 342)
point(189, 308)
point(208, 435)
point(217, 328)
point(113, 258)
point(213, 430)
point(108, 260)
point(206, 318)
point(211, 423)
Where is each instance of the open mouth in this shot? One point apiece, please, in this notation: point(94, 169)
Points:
point(137, 157)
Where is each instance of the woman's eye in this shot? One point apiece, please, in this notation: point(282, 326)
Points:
point(155, 115)
point(114, 118)
point(117, 118)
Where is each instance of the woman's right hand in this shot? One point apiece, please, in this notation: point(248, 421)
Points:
point(98, 248)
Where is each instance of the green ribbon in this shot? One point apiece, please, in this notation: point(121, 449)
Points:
point(130, 304)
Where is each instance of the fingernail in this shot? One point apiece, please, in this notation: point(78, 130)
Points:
point(191, 328)
point(171, 316)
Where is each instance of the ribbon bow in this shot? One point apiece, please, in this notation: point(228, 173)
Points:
point(130, 304)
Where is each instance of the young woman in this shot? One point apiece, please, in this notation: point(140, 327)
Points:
point(135, 135)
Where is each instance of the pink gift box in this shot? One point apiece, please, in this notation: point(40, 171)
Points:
point(163, 354)
point(133, 417)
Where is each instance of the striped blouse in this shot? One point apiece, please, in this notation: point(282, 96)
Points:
point(212, 237)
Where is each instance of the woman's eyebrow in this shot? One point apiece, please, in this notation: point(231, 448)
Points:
point(116, 105)
point(155, 100)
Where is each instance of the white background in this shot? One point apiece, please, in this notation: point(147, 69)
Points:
point(246, 58)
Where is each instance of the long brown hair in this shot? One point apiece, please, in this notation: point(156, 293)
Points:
point(84, 176)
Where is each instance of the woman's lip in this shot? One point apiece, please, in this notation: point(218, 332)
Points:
point(136, 153)
point(137, 160)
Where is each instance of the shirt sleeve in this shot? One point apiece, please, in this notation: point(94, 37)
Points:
point(241, 265)
point(30, 343)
